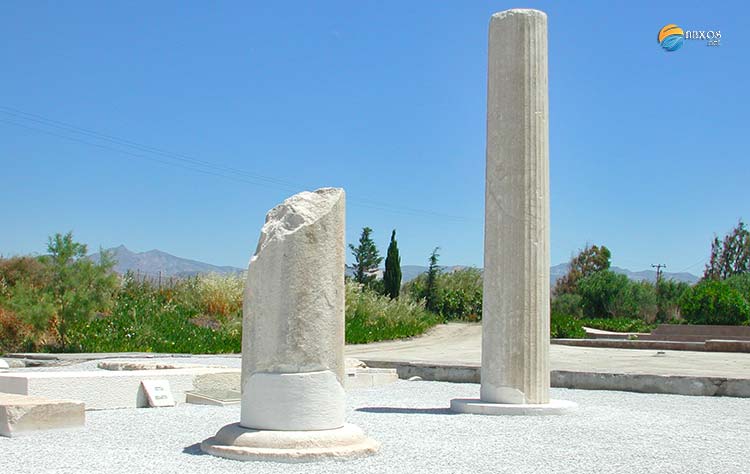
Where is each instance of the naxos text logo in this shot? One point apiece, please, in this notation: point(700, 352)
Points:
point(671, 37)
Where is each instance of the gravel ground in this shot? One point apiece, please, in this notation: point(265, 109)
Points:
point(611, 432)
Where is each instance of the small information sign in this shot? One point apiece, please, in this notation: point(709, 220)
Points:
point(158, 392)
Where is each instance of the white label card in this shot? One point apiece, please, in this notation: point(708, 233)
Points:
point(158, 392)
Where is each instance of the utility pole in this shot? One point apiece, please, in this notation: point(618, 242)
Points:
point(659, 315)
point(658, 267)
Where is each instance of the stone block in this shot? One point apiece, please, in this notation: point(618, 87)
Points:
point(22, 414)
point(105, 389)
point(368, 378)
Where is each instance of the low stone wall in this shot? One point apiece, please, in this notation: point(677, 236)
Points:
point(643, 383)
point(697, 333)
point(633, 344)
point(712, 345)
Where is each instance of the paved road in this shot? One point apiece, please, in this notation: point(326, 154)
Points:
point(460, 344)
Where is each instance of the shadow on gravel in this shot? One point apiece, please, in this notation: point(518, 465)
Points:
point(194, 449)
point(408, 411)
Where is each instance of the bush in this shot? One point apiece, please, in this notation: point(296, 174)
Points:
point(459, 293)
point(714, 302)
point(606, 294)
point(15, 334)
point(741, 283)
point(15, 269)
point(213, 295)
point(372, 317)
point(668, 293)
point(34, 308)
point(565, 326)
point(568, 304)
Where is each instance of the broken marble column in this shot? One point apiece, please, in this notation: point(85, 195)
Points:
point(293, 399)
point(515, 309)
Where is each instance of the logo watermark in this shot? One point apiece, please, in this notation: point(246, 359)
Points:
point(671, 37)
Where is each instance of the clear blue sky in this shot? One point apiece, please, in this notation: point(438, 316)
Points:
point(648, 149)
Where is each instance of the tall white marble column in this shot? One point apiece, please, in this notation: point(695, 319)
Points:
point(515, 309)
point(293, 399)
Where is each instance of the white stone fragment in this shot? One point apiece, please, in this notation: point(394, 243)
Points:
point(369, 377)
point(352, 363)
point(294, 309)
point(293, 369)
point(4, 365)
point(21, 414)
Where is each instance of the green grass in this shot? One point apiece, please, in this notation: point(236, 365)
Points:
point(146, 318)
point(204, 317)
point(371, 317)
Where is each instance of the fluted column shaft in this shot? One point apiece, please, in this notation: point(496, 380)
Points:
point(515, 332)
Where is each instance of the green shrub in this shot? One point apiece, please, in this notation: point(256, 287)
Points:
point(606, 294)
point(373, 317)
point(668, 294)
point(459, 293)
point(34, 308)
point(714, 302)
point(741, 283)
point(565, 326)
point(568, 304)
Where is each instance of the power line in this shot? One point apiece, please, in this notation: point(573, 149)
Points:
point(701, 261)
point(188, 162)
point(131, 144)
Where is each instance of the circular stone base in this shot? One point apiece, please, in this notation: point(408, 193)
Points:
point(244, 444)
point(478, 407)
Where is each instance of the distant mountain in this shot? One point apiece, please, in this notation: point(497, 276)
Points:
point(155, 262)
point(409, 272)
point(650, 275)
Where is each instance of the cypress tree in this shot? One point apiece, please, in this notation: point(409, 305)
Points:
point(366, 258)
point(431, 290)
point(392, 273)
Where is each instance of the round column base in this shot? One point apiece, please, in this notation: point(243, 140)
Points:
point(244, 444)
point(478, 407)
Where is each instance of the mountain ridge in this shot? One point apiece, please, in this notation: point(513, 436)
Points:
point(157, 262)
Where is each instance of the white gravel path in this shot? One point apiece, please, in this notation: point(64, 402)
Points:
point(611, 432)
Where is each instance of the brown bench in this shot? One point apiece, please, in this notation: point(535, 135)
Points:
point(697, 333)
